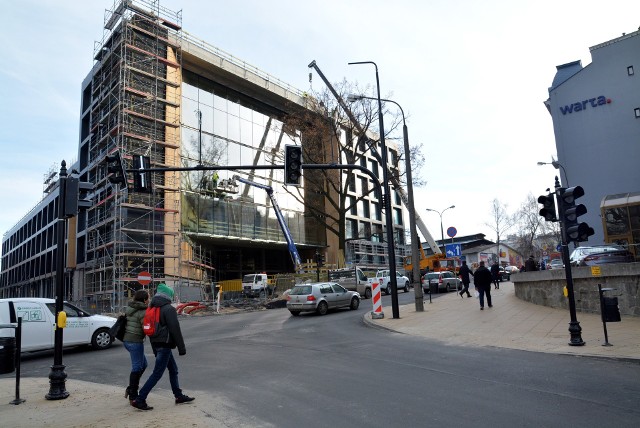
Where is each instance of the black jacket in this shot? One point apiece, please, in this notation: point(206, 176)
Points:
point(169, 335)
point(495, 271)
point(482, 277)
point(464, 274)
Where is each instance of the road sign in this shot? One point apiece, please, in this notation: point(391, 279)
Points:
point(451, 232)
point(144, 278)
point(452, 250)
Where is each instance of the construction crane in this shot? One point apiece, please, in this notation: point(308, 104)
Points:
point(394, 181)
point(291, 246)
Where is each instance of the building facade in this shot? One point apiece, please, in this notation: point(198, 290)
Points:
point(596, 119)
point(156, 91)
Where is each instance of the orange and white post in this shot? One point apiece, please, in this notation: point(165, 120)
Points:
point(377, 300)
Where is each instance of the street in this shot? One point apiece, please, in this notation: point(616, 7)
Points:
point(267, 368)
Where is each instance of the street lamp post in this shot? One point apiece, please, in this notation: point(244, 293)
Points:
point(441, 229)
point(387, 202)
point(557, 165)
point(410, 206)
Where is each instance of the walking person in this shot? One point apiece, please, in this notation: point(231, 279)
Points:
point(530, 265)
point(464, 276)
point(168, 337)
point(133, 341)
point(482, 280)
point(495, 275)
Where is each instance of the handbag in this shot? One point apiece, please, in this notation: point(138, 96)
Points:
point(118, 329)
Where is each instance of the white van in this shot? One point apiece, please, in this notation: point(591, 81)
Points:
point(39, 324)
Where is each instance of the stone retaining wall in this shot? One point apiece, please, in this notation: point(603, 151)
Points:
point(546, 287)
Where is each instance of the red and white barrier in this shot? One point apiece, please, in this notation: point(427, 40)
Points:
point(376, 298)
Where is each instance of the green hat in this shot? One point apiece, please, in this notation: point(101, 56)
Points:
point(165, 289)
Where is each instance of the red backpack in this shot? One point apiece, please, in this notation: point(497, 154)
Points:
point(151, 321)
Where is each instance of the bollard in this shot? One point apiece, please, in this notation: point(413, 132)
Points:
point(377, 301)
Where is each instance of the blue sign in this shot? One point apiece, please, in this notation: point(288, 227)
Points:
point(453, 250)
point(559, 247)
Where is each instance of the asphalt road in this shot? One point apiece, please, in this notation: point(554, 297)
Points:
point(271, 369)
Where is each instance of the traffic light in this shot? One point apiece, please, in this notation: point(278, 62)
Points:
point(116, 170)
point(574, 231)
point(548, 210)
point(75, 196)
point(292, 165)
point(320, 259)
point(142, 180)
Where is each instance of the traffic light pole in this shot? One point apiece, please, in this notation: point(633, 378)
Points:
point(575, 330)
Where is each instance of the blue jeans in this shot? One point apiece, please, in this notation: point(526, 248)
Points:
point(164, 360)
point(136, 352)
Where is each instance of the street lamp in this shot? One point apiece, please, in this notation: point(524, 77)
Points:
point(441, 229)
point(410, 206)
point(557, 165)
point(387, 202)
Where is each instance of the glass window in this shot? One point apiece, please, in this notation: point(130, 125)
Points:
point(190, 92)
point(617, 221)
point(338, 288)
point(374, 168)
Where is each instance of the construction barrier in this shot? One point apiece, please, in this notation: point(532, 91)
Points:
point(377, 301)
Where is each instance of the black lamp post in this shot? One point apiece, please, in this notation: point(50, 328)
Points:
point(387, 202)
point(411, 207)
point(441, 229)
point(57, 375)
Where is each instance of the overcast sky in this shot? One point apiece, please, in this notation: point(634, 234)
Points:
point(470, 75)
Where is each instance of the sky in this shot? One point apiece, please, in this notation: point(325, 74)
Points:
point(471, 77)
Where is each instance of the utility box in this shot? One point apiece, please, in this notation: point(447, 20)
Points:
point(611, 312)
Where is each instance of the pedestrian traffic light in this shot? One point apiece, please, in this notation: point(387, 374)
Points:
point(116, 170)
point(320, 259)
point(548, 210)
point(76, 197)
point(142, 180)
point(292, 165)
point(574, 231)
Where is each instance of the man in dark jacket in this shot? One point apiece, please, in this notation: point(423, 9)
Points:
point(168, 337)
point(482, 280)
point(464, 276)
point(530, 265)
point(495, 275)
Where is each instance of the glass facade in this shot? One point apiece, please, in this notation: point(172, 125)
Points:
point(221, 127)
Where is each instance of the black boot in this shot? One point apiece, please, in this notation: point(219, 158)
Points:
point(134, 382)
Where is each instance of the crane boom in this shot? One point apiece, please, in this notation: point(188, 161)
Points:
point(394, 181)
point(291, 246)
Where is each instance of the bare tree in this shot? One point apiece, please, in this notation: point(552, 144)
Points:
point(534, 232)
point(501, 221)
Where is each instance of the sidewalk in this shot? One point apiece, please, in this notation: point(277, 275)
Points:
point(512, 323)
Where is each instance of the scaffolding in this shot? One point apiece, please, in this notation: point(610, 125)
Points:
point(370, 255)
point(135, 109)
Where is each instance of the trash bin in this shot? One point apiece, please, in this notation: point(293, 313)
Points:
point(611, 310)
point(7, 354)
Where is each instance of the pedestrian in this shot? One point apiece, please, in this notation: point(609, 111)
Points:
point(482, 280)
point(495, 275)
point(133, 341)
point(530, 265)
point(464, 276)
point(168, 337)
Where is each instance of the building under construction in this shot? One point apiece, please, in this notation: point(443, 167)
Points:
point(158, 92)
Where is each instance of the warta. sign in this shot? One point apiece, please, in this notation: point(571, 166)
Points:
point(579, 106)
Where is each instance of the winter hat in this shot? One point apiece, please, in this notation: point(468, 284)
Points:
point(165, 290)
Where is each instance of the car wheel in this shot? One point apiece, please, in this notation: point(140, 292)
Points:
point(323, 308)
point(406, 287)
point(295, 313)
point(101, 339)
point(367, 293)
point(388, 290)
point(262, 294)
point(355, 304)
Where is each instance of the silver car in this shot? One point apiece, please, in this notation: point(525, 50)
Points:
point(437, 281)
point(320, 297)
point(598, 255)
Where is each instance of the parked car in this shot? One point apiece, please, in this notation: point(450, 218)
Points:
point(444, 280)
point(511, 269)
point(383, 277)
point(598, 255)
point(321, 297)
point(503, 275)
point(39, 324)
point(555, 264)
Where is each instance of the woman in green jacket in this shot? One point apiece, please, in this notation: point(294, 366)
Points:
point(134, 341)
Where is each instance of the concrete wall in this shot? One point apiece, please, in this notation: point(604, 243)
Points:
point(546, 287)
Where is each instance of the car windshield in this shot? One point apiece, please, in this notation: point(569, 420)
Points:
point(300, 289)
point(433, 275)
point(248, 278)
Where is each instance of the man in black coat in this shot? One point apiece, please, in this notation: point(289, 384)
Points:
point(464, 276)
point(495, 275)
point(482, 279)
